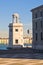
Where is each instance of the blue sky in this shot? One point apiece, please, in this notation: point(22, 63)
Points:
point(23, 7)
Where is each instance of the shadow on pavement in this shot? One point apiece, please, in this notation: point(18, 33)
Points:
point(22, 53)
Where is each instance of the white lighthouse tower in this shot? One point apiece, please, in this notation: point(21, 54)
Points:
point(15, 32)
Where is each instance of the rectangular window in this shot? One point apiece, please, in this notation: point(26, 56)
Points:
point(36, 15)
point(16, 30)
point(36, 36)
point(41, 13)
point(41, 24)
point(36, 25)
point(41, 36)
point(16, 41)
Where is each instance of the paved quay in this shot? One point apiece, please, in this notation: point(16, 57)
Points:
point(27, 53)
point(20, 57)
point(13, 61)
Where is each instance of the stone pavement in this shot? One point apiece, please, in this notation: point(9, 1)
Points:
point(21, 57)
point(13, 61)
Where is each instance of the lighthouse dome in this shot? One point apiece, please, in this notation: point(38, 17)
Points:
point(16, 15)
